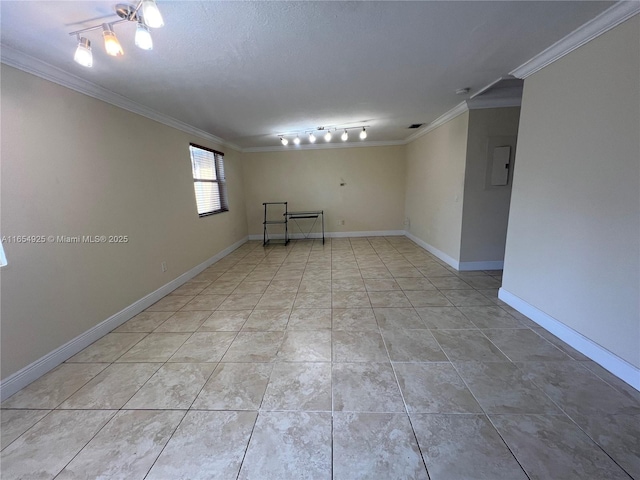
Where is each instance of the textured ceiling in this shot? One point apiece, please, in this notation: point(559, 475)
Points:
point(246, 71)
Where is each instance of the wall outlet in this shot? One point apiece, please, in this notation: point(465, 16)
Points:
point(407, 222)
point(340, 222)
point(163, 266)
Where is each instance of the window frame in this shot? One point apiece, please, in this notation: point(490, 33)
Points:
point(218, 159)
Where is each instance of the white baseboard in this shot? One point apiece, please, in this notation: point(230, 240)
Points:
point(460, 266)
point(373, 233)
point(608, 360)
point(28, 374)
point(293, 236)
point(492, 265)
point(299, 236)
point(433, 250)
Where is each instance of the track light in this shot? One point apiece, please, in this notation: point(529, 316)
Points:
point(143, 37)
point(151, 14)
point(83, 54)
point(326, 133)
point(111, 43)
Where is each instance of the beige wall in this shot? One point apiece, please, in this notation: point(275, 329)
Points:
point(372, 198)
point(485, 213)
point(73, 165)
point(435, 185)
point(572, 245)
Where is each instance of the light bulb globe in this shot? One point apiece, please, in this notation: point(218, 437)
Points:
point(83, 55)
point(151, 14)
point(111, 43)
point(143, 38)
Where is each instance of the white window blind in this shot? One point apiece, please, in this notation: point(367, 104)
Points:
point(208, 180)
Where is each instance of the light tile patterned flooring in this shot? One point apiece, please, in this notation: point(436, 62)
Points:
point(365, 358)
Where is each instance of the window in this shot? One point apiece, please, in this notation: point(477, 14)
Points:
point(208, 180)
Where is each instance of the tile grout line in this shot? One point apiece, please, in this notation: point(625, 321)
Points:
point(331, 361)
point(598, 444)
point(565, 414)
point(404, 402)
point(85, 445)
point(246, 449)
point(155, 409)
point(486, 415)
point(166, 443)
point(28, 429)
point(402, 394)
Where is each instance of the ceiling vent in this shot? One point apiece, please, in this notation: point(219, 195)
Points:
point(416, 125)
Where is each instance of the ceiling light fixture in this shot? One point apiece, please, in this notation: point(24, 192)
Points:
point(111, 42)
point(326, 131)
point(145, 14)
point(83, 54)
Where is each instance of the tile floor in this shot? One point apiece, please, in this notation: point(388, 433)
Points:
point(365, 358)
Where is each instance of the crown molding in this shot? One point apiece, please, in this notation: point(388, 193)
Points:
point(14, 58)
point(604, 22)
point(323, 146)
point(441, 120)
point(476, 103)
point(504, 102)
point(487, 87)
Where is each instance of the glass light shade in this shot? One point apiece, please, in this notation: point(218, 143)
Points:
point(151, 15)
point(296, 140)
point(363, 134)
point(284, 141)
point(3, 257)
point(83, 54)
point(312, 138)
point(345, 136)
point(111, 43)
point(143, 37)
point(327, 136)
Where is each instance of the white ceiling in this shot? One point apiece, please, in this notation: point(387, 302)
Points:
point(246, 71)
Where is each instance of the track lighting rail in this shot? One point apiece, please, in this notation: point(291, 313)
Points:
point(127, 13)
point(326, 131)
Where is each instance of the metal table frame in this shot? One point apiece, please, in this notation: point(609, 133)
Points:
point(304, 215)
